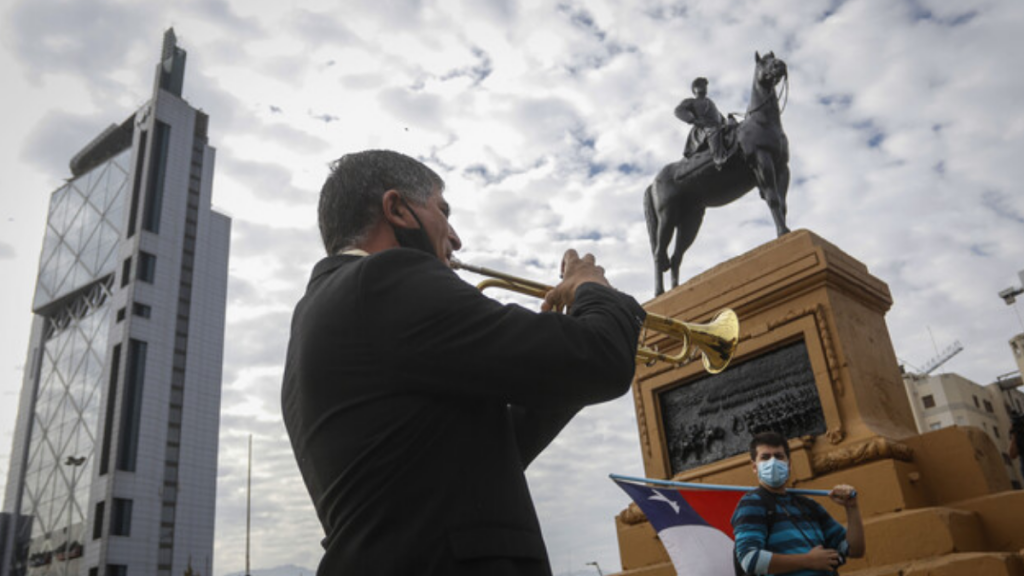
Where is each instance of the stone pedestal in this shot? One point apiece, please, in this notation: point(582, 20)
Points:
point(814, 362)
point(797, 290)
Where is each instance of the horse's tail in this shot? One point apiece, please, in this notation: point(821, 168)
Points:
point(652, 218)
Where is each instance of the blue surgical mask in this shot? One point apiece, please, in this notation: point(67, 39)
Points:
point(773, 473)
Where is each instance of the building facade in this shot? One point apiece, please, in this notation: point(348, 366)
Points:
point(1017, 347)
point(114, 460)
point(943, 400)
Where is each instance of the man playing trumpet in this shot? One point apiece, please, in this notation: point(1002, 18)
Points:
point(413, 402)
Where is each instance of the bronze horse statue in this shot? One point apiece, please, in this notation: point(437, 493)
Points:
point(758, 156)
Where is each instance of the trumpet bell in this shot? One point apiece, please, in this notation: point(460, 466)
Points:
point(716, 341)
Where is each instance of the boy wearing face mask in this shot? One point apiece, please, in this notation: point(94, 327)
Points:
point(781, 533)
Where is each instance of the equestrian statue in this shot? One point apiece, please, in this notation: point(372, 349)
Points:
point(724, 159)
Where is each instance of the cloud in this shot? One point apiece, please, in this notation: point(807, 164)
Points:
point(317, 29)
point(91, 38)
point(477, 72)
point(58, 137)
point(221, 14)
point(265, 180)
point(259, 341)
point(413, 108)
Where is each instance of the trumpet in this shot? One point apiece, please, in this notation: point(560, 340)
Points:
point(716, 341)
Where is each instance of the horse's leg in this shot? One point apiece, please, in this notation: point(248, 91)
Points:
point(686, 232)
point(782, 182)
point(665, 230)
point(764, 172)
point(651, 216)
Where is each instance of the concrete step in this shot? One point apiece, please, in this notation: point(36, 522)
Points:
point(1002, 516)
point(960, 564)
point(916, 534)
point(660, 569)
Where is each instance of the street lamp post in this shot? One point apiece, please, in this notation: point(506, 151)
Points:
point(74, 462)
point(596, 565)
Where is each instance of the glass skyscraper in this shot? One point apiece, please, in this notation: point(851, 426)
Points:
point(114, 460)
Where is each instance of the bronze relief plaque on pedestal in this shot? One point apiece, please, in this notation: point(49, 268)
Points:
point(713, 417)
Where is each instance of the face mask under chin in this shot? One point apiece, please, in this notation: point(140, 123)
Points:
point(414, 238)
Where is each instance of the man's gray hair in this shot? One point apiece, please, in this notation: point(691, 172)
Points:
point(350, 200)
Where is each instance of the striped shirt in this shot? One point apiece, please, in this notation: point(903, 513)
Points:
point(800, 524)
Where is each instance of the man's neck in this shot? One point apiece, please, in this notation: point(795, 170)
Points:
point(781, 491)
point(379, 238)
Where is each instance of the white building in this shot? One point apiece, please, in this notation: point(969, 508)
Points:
point(114, 460)
point(951, 400)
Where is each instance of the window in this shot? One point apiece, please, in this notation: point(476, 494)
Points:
point(988, 407)
point(157, 172)
point(141, 310)
point(935, 426)
point(126, 271)
point(120, 315)
point(147, 267)
point(117, 570)
point(140, 159)
point(167, 513)
point(121, 517)
point(928, 401)
point(108, 423)
point(171, 476)
point(976, 405)
point(131, 408)
point(995, 431)
point(97, 522)
point(1006, 459)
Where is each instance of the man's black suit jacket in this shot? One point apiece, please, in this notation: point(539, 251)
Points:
point(414, 404)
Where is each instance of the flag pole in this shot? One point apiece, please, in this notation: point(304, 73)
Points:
point(723, 487)
point(248, 507)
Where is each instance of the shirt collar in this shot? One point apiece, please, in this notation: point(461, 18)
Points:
point(352, 252)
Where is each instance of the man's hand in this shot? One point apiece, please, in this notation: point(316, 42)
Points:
point(844, 495)
point(821, 558)
point(575, 271)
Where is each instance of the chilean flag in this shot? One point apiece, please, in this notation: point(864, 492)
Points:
point(693, 525)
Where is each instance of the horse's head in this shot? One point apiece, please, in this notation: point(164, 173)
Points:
point(770, 70)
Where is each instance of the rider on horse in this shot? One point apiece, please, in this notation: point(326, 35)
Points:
point(708, 123)
point(675, 203)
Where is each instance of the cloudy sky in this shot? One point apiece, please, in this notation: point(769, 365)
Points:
point(547, 120)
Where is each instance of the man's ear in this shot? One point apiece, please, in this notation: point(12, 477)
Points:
point(395, 211)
